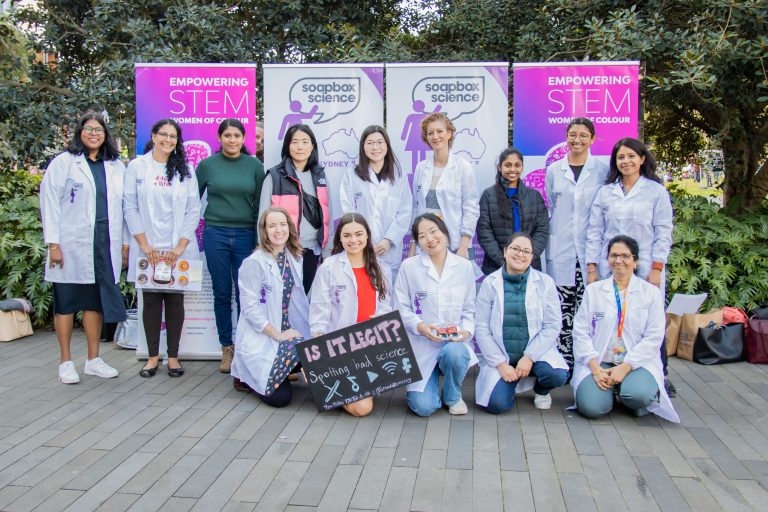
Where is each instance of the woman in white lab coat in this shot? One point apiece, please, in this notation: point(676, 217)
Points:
point(445, 185)
point(616, 339)
point(634, 203)
point(162, 210)
point(571, 185)
point(377, 189)
point(518, 322)
point(436, 291)
point(81, 204)
point(351, 286)
point(274, 314)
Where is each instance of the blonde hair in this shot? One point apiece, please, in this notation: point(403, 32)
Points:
point(293, 245)
point(438, 116)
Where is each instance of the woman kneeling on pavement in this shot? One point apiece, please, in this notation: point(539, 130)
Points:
point(617, 334)
point(518, 324)
point(436, 296)
point(274, 311)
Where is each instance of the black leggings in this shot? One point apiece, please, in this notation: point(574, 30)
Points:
point(281, 397)
point(309, 267)
point(174, 320)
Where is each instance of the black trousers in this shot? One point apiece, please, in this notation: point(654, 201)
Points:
point(174, 320)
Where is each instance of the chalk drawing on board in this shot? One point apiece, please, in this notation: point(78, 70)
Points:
point(372, 376)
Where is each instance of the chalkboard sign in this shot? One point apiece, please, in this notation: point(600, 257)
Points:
point(359, 361)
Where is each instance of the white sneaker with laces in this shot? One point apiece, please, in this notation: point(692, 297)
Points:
point(542, 401)
point(459, 408)
point(99, 368)
point(67, 373)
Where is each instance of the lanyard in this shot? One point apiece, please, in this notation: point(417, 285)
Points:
point(622, 310)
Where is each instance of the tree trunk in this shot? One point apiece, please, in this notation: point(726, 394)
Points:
point(745, 186)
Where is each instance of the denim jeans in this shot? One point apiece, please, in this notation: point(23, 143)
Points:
point(547, 378)
point(453, 363)
point(637, 391)
point(225, 249)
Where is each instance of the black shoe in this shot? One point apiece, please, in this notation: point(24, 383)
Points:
point(671, 389)
point(175, 372)
point(148, 372)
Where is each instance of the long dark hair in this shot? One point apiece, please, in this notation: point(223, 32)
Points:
point(372, 267)
point(285, 152)
point(501, 190)
point(391, 168)
point(177, 161)
point(108, 148)
point(648, 167)
point(233, 123)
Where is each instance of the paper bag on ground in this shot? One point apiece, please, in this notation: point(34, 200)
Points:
point(672, 332)
point(689, 327)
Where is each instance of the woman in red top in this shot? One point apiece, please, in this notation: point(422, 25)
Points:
point(351, 286)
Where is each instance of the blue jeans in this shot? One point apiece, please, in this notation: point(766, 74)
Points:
point(225, 249)
point(636, 392)
point(547, 378)
point(453, 363)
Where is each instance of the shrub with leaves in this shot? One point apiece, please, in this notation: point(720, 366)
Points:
point(717, 253)
point(22, 252)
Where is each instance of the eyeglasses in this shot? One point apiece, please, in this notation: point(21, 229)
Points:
point(625, 257)
point(375, 143)
point(169, 136)
point(98, 130)
point(580, 136)
point(517, 251)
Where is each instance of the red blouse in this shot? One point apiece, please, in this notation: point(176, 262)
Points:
point(366, 295)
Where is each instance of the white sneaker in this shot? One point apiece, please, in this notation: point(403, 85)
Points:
point(542, 401)
point(459, 408)
point(99, 368)
point(67, 373)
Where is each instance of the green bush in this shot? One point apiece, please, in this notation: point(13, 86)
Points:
point(718, 253)
point(22, 252)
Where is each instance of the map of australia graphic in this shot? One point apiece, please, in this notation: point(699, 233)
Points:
point(342, 143)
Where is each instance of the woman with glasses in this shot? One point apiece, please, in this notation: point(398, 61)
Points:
point(162, 210)
point(232, 179)
point(436, 297)
point(509, 207)
point(444, 184)
point(518, 321)
point(571, 186)
point(617, 335)
point(298, 184)
point(81, 204)
point(635, 203)
point(377, 190)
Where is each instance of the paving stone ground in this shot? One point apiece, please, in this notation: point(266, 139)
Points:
point(195, 444)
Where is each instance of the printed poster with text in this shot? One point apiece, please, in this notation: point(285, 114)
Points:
point(475, 98)
point(198, 97)
point(548, 95)
point(337, 101)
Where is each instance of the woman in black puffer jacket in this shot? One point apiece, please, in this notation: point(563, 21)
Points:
point(508, 207)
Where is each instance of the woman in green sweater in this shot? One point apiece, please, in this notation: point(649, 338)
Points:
point(233, 179)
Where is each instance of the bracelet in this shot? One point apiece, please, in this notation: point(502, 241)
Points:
point(657, 265)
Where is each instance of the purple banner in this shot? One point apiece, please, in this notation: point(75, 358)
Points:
point(548, 96)
point(198, 97)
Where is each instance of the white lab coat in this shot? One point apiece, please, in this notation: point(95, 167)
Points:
point(447, 298)
point(385, 205)
point(596, 323)
point(68, 212)
point(569, 206)
point(542, 311)
point(140, 206)
point(255, 350)
point(456, 192)
point(645, 214)
point(333, 297)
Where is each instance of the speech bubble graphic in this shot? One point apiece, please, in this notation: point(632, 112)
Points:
point(456, 95)
point(333, 96)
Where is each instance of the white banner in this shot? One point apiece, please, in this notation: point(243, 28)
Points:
point(473, 95)
point(337, 101)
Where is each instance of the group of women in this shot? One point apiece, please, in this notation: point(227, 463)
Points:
point(534, 329)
